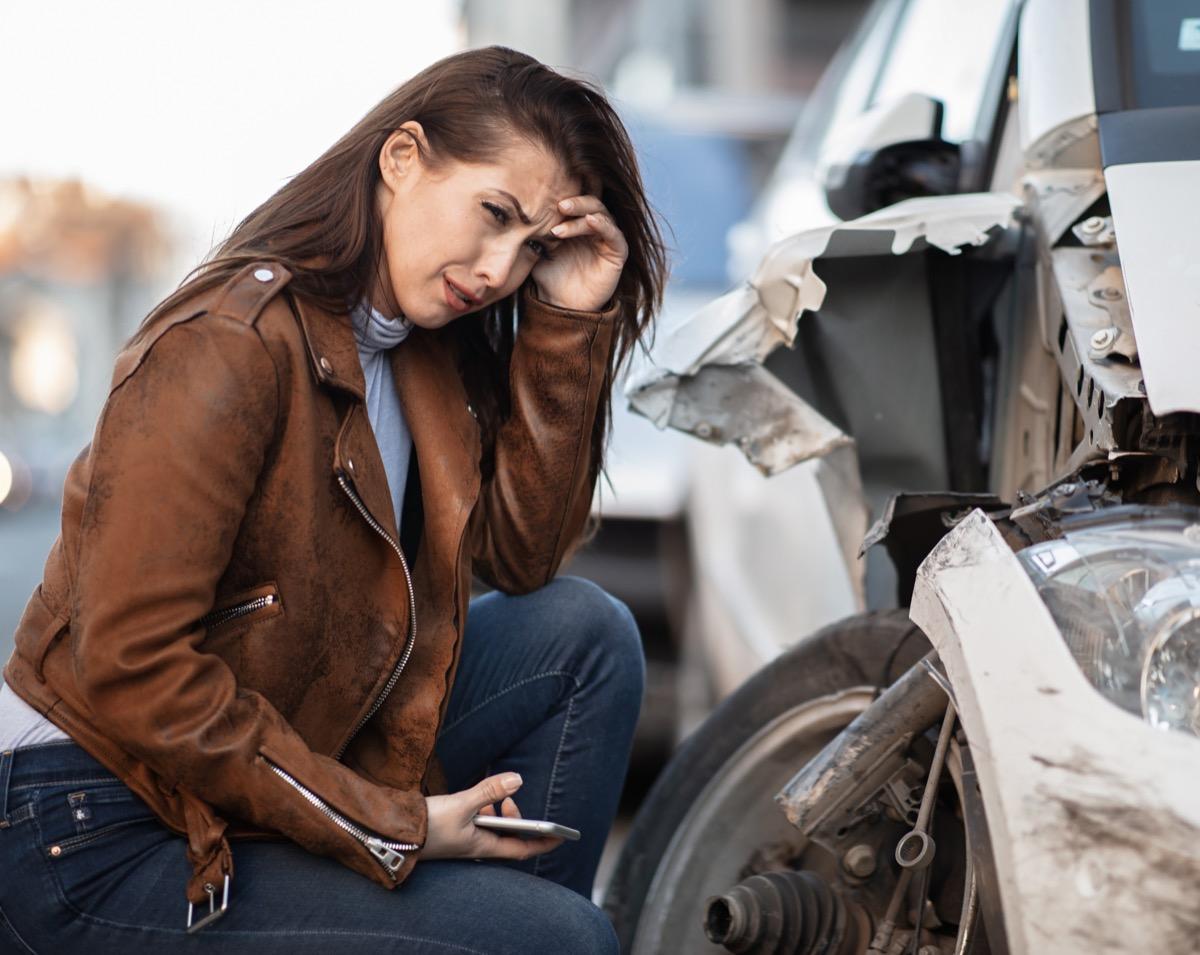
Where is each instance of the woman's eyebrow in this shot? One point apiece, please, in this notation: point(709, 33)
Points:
point(516, 205)
point(549, 237)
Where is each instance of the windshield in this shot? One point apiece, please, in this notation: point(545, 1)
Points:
point(845, 88)
point(946, 49)
point(1162, 51)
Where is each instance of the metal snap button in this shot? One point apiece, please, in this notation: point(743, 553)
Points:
point(326, 366)
point(264, 275)
point(56, 850)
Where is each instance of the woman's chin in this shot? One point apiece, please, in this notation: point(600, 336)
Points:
point(430, 318)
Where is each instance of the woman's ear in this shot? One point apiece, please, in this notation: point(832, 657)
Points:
point(403, 153)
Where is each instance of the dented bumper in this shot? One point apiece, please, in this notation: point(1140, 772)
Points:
point(1094, 816)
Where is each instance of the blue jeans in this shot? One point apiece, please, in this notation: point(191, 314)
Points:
point(549, 684)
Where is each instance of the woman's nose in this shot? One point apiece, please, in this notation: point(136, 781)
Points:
point(496, 264)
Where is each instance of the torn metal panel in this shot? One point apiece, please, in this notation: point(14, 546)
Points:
point(748, 406)
point(945, 222)
point(1098, 849)
point(735, 329)
point(745, 325)
point(840, 480)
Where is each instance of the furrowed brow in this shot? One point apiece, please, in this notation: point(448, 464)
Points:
point(548, 237)
point(516, 205)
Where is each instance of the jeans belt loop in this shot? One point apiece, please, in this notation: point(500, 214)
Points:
point(6, 763)
point(214, 913)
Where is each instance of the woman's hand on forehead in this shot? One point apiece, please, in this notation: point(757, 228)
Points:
point(583, 270)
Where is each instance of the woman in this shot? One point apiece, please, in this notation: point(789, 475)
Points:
point(394, 374)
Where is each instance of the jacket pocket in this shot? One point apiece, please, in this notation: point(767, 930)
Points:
point(246, 607)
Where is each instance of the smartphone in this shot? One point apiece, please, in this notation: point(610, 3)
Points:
point(527, 828)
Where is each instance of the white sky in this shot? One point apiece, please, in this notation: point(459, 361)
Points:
point(203, 108)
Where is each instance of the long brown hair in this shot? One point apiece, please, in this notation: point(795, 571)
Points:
point(470, 105)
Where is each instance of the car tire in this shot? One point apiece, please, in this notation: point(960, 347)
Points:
point(862, 654)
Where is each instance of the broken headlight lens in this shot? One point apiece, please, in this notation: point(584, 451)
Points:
point(1126, 596)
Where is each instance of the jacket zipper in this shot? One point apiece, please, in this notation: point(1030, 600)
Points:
point(412, 610)
point(387, 853)
point(218, 617)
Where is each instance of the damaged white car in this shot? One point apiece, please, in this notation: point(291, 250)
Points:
point(995, 354)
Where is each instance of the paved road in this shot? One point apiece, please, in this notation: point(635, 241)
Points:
point(25, 539)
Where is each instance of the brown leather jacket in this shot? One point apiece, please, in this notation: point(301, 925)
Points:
point(227, 620)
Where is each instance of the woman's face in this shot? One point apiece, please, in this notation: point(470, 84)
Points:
point(457, 236)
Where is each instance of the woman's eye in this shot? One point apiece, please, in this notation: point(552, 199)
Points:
point(538, 248)
point(500, 215)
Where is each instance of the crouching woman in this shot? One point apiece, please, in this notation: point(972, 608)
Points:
point(253, 673)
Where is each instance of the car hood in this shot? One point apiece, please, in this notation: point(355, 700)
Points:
point(1156, 218)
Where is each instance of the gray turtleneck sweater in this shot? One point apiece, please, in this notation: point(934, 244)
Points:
point(22, 725)
point(376, 335)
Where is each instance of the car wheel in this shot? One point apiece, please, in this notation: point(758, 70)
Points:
point(711, 816)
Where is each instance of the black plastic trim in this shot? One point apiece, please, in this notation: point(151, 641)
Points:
point(1166, 134)
point(1108, 21)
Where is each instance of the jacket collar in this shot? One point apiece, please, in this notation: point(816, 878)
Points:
point(332, 350)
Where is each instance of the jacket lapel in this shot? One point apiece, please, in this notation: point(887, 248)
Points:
point(333, 358)
point(445, 435)
point(332, 351)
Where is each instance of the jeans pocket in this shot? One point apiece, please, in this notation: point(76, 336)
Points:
point(92, 837)
point(72, 817)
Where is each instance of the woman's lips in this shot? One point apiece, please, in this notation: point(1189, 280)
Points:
point(453, 300)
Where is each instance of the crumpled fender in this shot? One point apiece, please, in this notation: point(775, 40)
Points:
point(1093, 814)
point(679, 386)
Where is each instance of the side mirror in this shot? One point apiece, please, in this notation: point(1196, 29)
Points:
point(893, 151)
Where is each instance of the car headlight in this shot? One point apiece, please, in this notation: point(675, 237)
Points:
point(1126, 596)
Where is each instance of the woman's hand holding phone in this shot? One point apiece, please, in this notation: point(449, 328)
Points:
point(451, 833)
